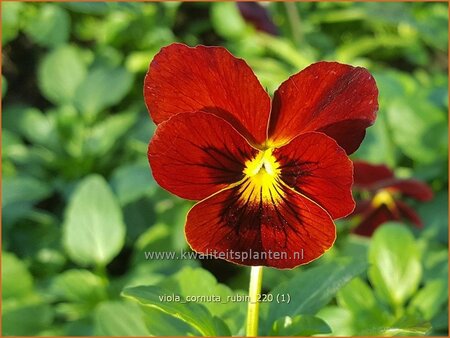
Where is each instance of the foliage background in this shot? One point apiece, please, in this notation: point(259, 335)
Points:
point(79, 205)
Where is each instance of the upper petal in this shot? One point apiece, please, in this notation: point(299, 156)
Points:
point(337, 99)
point(184, 79)
point(284, 231)
point(194, 155)
point(367, 175)
point(317, 167)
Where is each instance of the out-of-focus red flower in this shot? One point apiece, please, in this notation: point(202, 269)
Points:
point(270, 176)
point(258, 16)
point(385, 193)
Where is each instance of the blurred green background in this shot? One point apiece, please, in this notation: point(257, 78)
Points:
point(80, 207)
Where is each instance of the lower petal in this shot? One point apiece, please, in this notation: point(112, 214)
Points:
point(407, 212)
point(278, 228)
point(372, 219)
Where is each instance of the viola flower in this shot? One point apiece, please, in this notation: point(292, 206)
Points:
point(270, 176)
point(385, 193)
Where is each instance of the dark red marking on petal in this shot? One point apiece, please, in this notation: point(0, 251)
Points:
point(337, 99)
point(184, 79)
point(317, 167)
point(407, 212)
point(226, 222)
point(367, 175)
point(194, 155)
point(409, 187)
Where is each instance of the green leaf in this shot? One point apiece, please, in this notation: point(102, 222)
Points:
point(12, 117)
point(314, 288)
point(406, 326)
point(302, 325)
point(159, 323)
point(104, 136)
point(440, 322)
point(17, 282)
point(435, 262)
point(435, 216)
point(60, 73)
point(103, 87)
point(119, 319)
point(50, 26)
point(10, 20)
point(140, 217)
point(19, 194)
point(203, 283)
point(430, 299)
point(39, 128)
point(339, 319)
point(132, 182)
point(395, 270)
point(359, 298)
point(227, 21)
point(93, 229)
point(194, 314)
point(25, 318)
point(421, 136)
point(79, 286)
point(96, 8)
point(22, 189)
point(356, 296)
point(378, 147)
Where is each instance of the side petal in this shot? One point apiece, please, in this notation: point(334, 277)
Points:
point(409, 187)
point(372, 219)
point(337, 99)
point(183, 79)
point(284, 231)
point(362, 207)
point(317, 167)
point(367, 175)
point(407, 212)
point(194, 155)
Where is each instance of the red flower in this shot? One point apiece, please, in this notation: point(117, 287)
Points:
point(384, 204)
point(271, 177)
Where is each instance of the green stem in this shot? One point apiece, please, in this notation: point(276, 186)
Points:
point(294, 21)
point(253, 305)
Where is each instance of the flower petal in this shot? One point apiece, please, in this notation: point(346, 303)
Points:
point(362, 207)
point(337, 99)
point(367, 175)
point(407, 212)
point(373, 218)
point(284, 232)
point(409, 187)
point(258, 16)
point(194, 155)
point(184, 79)
point(317, 167)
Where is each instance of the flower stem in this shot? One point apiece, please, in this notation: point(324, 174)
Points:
point(253, 305)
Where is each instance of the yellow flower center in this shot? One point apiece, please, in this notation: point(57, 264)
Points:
point(261, 179)
point(385, 197)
